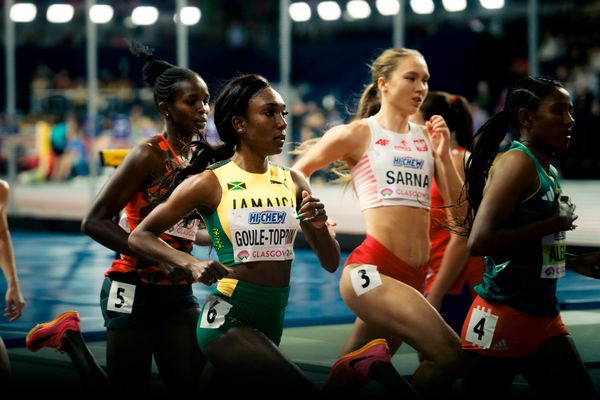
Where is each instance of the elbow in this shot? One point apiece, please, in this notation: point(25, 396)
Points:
point(133, 241)
point(331, 264)
point(88, 226)
point(475, 247)
point(331, 267)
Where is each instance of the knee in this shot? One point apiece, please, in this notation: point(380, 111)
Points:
point(454, 359)
point(449, 357)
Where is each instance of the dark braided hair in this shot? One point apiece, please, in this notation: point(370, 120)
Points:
point(161, 75)
point(525, 93)
point(165, 79)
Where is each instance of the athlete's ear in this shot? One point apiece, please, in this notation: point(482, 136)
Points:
point(381, 83)
point(163, 108)
point(239, 124)
point(524, 118)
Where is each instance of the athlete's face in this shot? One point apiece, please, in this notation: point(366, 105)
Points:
point(188, 111)
point(265, 123)
point(553, 121)
point(406, 87)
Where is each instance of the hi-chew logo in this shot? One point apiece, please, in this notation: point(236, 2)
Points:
point(267, 217)
point(408, 162)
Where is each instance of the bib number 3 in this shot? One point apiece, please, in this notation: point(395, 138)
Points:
point(481, 327)
point(365, 278)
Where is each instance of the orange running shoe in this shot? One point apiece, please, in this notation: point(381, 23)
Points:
point(352, 369)
point(49, 334)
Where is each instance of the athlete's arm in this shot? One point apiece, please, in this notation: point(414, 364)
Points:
point(200, 191)
point(512, 179)
point(13, 297)
point(449, 180)
point(455, 256)
point(142, 164)
point(314, 226)
point(340, 143)
point(587, 264)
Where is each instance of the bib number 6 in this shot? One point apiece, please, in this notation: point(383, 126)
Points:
point(214, 312)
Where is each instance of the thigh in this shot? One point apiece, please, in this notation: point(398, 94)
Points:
point(487, 377)
point(401, 314)
point(558, 358)
point(176, 351)
point(254, 362)
point(362, 333)
point(129, 359)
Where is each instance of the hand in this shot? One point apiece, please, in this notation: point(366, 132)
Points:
point(14, 303)
point(175, 274)
point(312, 211)
point(439, 134)
point(209, 271)
point(589, 264)
point(565, 212)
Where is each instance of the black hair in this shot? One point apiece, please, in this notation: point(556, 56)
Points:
point(456, 112)
point(161, 75)
point(165, 79)
point(233, 101)
point(526, 93)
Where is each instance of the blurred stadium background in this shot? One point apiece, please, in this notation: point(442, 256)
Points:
point(70, 86)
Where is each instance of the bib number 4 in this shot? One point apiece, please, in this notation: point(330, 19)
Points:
point(482, 325)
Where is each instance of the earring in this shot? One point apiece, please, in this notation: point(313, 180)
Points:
point(166, 115)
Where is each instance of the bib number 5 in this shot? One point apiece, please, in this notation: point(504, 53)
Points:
point(121, 297)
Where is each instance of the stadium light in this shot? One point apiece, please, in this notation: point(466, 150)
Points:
point(60, 13)
point(329, 10)
point(358, 9)
point(144, 15)
point(299, 11)
point(454, 5)
point(388, 7)
point(23, 12)
point(189, 16)
point(422, 6)
point(101, 13)
point(492, 4)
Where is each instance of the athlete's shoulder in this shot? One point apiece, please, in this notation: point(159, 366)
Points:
point(218, 164)
point(353, 133)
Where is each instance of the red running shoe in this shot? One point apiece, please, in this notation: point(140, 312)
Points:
point(49, 334)
point(352, 369)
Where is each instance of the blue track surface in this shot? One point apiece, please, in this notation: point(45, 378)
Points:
point(61, 271)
